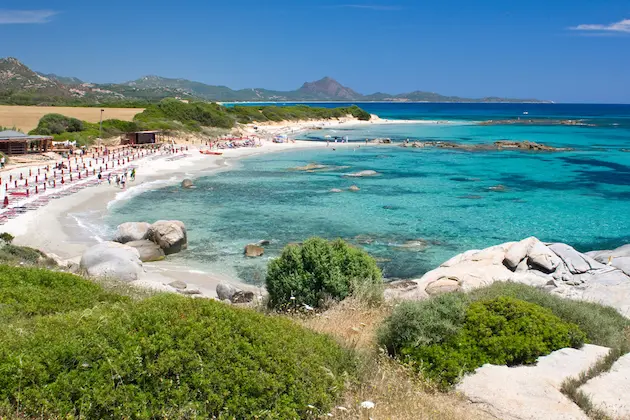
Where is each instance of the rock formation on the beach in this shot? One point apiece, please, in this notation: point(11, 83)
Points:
point(557, 268)
point(112, 260)
point(170, 235)
point(148, 250)
point(497, 145)
point(253, 250)
point(187, 183)
point(132, 231)
point(231, 293)
point(619, 257)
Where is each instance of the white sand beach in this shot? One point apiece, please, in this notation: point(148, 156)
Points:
point(52, 228)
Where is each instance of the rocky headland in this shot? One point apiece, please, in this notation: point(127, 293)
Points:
point(528, 146)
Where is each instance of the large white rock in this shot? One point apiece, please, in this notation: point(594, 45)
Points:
point(132, 231)
point(610, 391)
point(531, 392)
point(154, 286)
point(619, 258)
point(148, 250)
point(170, 235)
point(558, 268)
point(112, 260)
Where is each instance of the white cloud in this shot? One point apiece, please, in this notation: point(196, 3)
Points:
point(370, 7)
point(621, 26)
point(25, 16)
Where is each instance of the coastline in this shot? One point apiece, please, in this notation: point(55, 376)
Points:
point(54, 229)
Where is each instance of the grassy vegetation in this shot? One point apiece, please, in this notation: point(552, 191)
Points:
point(175, 115)
point(505, 323)
point(69, 349)
point(320, 271)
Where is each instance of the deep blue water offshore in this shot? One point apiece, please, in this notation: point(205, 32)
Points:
point(450, 200)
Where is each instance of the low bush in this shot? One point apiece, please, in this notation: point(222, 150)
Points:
point(603, 325)
point(57, 124)
point(500, 331)
point(319, 270)
point(423, 323)
point(168, 357)
point(28, 292)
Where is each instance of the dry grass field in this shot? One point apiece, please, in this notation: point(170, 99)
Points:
point(26, 117)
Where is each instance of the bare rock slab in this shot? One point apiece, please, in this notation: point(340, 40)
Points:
point(149, 251)
point(610, 391)
point(132, 231)
point(170, 235)
point(112, 260)
point(531, 392)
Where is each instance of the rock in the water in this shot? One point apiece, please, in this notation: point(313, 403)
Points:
point(170, 235)
point(149, 251)
point(354, 188)
point(178, 284)
point(253, 250)
point(112, 260)
point(415, 245)
point(132, 231)
point(225, 291)
point(531, 392)
point(187, 183)
point(359, 174)
point(609, 391)
point(335, 190)
point(264, 242)
point(442, 286)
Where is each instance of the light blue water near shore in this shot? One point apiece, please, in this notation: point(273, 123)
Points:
point(450, 200)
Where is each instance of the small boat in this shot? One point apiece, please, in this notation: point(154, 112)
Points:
point(208, 152)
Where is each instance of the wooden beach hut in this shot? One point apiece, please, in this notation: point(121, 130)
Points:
point(16, 143)
point(142, 137)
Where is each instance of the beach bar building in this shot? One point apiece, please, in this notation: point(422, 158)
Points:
point(142, 137)
point(16, 143)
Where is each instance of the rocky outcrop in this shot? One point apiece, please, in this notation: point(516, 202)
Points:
point(148, 250)
point(335, 190)
point(354, 188)
point(497, 145)
point(170, 235)
point(232, 294)
point(609, 391)
point(531, 392)
point(557, 268)
point(619, 258)
point(132, 231)
point(187, 183)
point(253, 250)
point(112, 260)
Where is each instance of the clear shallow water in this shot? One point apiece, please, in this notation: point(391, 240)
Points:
point(447, 199)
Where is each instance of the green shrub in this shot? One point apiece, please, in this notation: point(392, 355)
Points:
point(26, 292)
point(168, 357)
point(57, 124)
point(21, 254)
point(500, 331)
point(6, 237)
point(316, 271)
point(423, 323)
point(603, 325)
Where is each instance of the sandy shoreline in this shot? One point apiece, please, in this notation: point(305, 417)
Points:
point(53, 229)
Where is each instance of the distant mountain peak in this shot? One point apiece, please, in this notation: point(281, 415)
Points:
point(329, 88)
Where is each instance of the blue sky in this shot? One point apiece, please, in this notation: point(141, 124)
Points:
point(569, 51)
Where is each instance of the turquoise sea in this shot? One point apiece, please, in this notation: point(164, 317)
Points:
point(443, 201)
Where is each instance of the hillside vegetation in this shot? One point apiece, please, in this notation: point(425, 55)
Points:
point(175, 115)
point(69, 349)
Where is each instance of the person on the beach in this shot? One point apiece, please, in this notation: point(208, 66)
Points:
point(133, 174)
point(2, 162)
point(100, 177)
point(109, 179)
point(123, 180)
point(6, 201)
point(117, 181)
